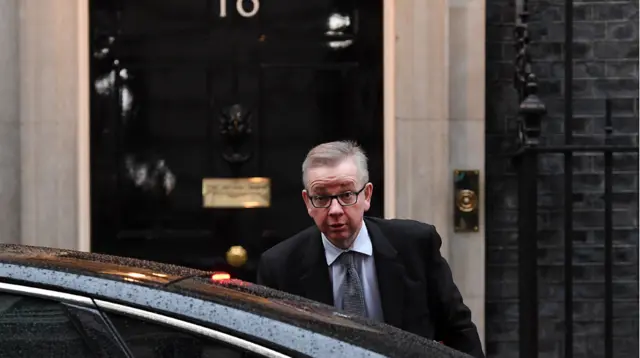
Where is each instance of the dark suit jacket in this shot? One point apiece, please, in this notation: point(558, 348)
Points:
point(416, 286)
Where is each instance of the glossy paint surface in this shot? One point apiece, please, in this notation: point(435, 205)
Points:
point(180, 94)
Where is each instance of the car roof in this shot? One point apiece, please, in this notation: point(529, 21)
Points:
point(274, 304)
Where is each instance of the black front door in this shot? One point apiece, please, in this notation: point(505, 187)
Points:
point(193, 89)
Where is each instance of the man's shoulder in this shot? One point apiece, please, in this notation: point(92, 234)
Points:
point(405, 226)
point(405, 231)
point(292, 244)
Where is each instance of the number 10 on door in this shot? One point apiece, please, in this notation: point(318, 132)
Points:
point(240, 8)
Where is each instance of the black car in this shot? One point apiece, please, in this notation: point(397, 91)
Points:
point(63, 303)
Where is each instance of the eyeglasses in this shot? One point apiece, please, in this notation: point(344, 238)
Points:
point(345, 199)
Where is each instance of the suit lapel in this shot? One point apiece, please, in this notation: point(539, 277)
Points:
point(390, 272)
point(316, 284)
point(315, 281)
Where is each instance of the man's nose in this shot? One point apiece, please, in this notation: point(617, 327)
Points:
point(335, 208)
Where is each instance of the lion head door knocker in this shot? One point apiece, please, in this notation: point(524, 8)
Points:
point(235, 128)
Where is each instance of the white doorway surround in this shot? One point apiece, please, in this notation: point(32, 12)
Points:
point(434, 124)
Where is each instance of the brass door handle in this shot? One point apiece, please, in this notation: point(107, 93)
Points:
point(466, 186)
point(467, 200)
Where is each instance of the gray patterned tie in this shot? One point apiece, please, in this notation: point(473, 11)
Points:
point(352, 291)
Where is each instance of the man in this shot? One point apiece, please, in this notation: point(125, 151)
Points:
point(386, 270)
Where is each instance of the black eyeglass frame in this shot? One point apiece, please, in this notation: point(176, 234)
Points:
point(336, 197)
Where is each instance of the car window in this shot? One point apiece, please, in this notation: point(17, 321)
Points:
point(34, 327)
point(154, 340)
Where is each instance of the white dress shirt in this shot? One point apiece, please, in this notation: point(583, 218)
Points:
point(366, 267)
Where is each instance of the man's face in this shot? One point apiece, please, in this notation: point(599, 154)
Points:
point(339, 223)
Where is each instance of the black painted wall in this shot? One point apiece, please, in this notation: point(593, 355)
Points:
point(606, 64)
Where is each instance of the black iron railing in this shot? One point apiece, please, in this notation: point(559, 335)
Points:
point(531, 112)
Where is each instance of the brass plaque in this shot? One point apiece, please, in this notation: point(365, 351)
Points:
point(230, 193)
point(466, 203)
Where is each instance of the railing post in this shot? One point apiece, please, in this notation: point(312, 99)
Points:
point(530, 113)
point(608, 235)
point(568, 179)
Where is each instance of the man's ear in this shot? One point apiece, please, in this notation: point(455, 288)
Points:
point(307, 203)
point(368, 193)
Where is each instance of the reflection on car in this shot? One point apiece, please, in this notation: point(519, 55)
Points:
point(64, 303)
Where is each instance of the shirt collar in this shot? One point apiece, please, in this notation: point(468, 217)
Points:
point(361, 244)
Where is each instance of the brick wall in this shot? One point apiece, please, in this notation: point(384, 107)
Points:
point(606, 64)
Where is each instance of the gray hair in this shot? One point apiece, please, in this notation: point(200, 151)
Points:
point(333, 153)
